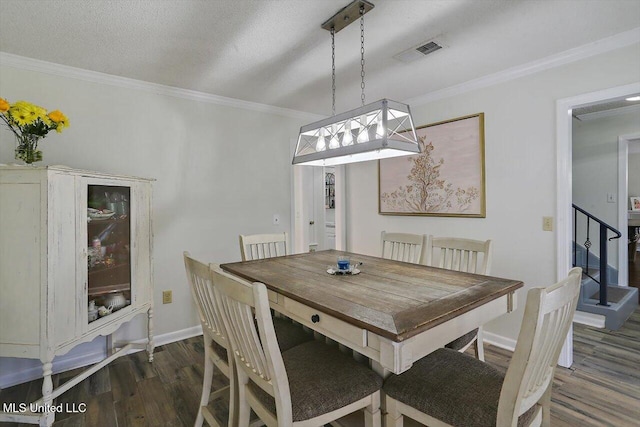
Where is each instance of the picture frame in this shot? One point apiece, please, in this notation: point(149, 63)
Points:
point(446, 179)
point(635, 203)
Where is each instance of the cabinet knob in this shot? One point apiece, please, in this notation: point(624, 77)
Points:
point(311, 222)
point(315, 318)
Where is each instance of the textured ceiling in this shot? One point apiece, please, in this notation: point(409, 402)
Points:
point(274, 52)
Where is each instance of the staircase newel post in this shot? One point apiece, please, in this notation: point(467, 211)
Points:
point(604, 264)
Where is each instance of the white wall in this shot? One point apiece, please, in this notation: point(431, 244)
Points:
point(220, 171)
point(520, 149)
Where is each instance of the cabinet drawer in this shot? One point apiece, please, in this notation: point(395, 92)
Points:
point(325, 324)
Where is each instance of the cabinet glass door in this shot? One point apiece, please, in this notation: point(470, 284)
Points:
point(109, 249)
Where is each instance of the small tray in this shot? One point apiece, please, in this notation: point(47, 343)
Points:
point(353, 270)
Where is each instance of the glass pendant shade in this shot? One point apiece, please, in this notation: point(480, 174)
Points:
point(378, 130)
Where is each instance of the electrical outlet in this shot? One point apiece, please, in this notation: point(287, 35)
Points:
point(547, 223)
point(167, 297)
point(276, 219)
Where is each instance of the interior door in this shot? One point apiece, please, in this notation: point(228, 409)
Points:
point(309, 215)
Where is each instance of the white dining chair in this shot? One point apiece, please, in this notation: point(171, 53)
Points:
point(405, 247)
point(216, 344)
point(260, 246)
point(449, 388)
point(310, 385)
point(466, 255)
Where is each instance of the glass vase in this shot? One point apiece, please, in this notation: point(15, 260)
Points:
point(27, 150)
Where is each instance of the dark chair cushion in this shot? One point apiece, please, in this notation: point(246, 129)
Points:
point(289, 335)
point(321, 379)
point(460, 343)
point(453, 387)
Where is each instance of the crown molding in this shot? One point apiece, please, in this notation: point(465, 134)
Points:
point(30, 64)
point(614, 42)
point(607, 44)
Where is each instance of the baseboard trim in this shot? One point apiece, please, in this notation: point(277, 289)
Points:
point(589, 319)
point(96, 352)
point(499, 340)
point(174, 336)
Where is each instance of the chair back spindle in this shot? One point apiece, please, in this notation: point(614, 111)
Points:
point(260, 246)
point(404, 247)
point(458, 254)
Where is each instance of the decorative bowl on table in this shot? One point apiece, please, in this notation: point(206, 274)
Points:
point(97, 214)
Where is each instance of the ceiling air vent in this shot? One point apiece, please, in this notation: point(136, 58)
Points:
point(427, 48)
point(418, 52)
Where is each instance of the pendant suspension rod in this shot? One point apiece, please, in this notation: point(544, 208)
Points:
point(362, 52)
point(333, 71)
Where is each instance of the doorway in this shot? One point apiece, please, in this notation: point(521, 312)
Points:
point(629, 184)
point(564, 108)
point(310, 212)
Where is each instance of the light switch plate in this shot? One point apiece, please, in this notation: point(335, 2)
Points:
point(547, 223)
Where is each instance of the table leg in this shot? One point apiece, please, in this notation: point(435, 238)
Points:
point(384, 373)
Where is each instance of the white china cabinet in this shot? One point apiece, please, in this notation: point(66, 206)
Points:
point(75, 263)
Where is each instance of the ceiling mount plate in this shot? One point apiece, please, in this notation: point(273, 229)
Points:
point(347, 15)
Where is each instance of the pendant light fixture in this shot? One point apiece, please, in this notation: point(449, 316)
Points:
point(378, 130)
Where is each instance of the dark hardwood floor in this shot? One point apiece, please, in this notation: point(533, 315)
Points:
point(602, 388)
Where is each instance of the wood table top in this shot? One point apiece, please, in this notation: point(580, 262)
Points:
point(393, 299)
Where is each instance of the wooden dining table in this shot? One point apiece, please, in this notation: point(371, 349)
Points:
point(392, 312)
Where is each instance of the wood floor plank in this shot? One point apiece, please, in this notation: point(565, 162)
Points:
point(78, 420)
point(166, 366)
point(123, 381)
point(185, 399)
point(100, 411)
point(157, 403)
point(142, 369)
point(100, 382)
point(130, 411)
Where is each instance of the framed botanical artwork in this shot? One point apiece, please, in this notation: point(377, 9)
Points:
point(447, 178)
point(635, 203)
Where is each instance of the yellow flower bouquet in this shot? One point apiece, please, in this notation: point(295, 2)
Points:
point(30, 123)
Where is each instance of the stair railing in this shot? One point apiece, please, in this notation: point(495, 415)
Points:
point(604, 239)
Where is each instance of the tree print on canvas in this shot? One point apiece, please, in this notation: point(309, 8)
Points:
point(445, 179)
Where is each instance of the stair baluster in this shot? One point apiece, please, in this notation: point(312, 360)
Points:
point(604, 239)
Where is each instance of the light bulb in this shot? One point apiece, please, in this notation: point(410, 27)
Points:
point(333, 142)
point(347, 138)
point(380, 130)
point(321, 145)
point(363, 135)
